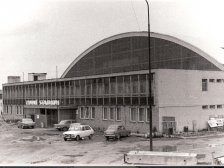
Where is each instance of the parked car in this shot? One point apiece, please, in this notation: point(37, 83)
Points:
point(78, 132)
point(64, 125)
point(116, 132)
point(26, 123)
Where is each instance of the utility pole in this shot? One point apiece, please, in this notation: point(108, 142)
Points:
point(23, 96)
point(150, 87)
point(57, 92)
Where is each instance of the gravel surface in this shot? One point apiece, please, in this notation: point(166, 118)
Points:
point(42, 146)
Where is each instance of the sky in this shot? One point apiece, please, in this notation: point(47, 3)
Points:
point(36, 36)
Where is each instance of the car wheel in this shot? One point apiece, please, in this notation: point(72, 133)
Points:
point(90, 136)
point(128, 134)
point(65, 139)
point(77, 138)
point(32, 127)
point(64, 129)
point(107, 138)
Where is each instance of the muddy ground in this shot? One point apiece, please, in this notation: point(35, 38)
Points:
point(42, 146)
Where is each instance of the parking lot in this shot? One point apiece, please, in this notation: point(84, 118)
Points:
point(42, 146)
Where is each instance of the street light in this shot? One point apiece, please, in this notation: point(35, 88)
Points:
point(150, 79)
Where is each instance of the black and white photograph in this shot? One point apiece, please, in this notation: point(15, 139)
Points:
point(111, 83)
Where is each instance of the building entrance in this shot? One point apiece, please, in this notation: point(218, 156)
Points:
point(52, 117)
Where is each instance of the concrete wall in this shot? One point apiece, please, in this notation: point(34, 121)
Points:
point(180, 94)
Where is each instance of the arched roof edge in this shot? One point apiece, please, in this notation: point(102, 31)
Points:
point(145, 33)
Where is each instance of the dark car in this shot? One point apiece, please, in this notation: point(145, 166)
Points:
point(116, 132)
point(64, 125)
point(26, 123)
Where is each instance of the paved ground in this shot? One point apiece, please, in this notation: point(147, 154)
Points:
point(46, 147)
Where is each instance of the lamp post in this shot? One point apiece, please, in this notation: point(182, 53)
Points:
point(150, 79)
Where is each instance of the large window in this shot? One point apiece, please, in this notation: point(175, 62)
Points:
point(105, 117)
point(127, 85)
point(118, 114)
point(82, 112)
point(133, 114)
point(204, 85)
point(87, 112)
point(112, 85)
point(120, 90)
point(141, 114)
point(147, 115)
point(142, 83)
point(134, 83)
point(111, 113)
point(92, 112)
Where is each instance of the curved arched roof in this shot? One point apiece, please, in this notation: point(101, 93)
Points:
point(191, 52)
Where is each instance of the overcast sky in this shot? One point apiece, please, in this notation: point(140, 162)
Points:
point(38, 35)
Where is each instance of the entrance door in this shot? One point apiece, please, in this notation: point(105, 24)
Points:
point(32, 117)
point(52, 117)
point(169, 125)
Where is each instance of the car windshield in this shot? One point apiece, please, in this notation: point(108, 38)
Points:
point(112, 127)
point(27, 120)
point(63, 122)
point(75, 128)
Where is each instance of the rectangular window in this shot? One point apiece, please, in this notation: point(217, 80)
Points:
point(142, 83)
point(219, 106)
point(105, 113)
point(133, 114)
point(93, 113)
point(204, 85)
point(141, 113)
point(212, 106)
point(82, 112)
point(218, 80)
point(112, 85)
point(120, 89)
point(147, 115)
point(204, 107)
point(87, 113)
point(211, 80)
point(118, 114)
point(134, 81)
point(111, 113)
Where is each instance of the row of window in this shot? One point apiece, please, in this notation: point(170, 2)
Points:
point(219, 106)
point(216, 80)
point(205, 83)
point(130, 84)
point(137, 114)
point(87, 112)
point(93, 101)
point(8, 109)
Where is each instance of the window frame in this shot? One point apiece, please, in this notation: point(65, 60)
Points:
point(117, 113)
point(204, 85)
point(139, 114)
point(110, 114)
point(82, 112)
point(92, 112)
point(136, 113)
point(104, 113)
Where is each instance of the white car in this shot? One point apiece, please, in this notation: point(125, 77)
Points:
point(78, 132)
